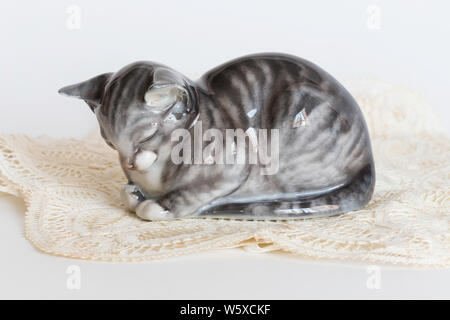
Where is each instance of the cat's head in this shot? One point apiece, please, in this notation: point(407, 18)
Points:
point(137, 108)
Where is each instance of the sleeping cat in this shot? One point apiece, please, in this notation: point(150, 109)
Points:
point(325, 165)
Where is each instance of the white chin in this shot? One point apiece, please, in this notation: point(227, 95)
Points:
point(144, 160)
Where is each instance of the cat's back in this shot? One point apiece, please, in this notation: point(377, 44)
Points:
point(275, 69)
point(268, 62)
point(247, 85)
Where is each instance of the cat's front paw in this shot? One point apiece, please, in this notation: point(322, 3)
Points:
point(131, 196)
point(150, 210)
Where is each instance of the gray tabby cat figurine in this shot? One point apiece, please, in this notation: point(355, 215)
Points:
point(320, 164)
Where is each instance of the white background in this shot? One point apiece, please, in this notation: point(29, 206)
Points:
point(40, 53)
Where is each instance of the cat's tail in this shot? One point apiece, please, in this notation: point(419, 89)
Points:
point(352, 196)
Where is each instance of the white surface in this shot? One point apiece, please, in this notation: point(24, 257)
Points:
point(40, 54)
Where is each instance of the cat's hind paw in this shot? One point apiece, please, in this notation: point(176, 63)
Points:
point(150, 210)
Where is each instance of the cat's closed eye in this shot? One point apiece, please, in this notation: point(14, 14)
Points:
point(148, 134)
point(146, 140)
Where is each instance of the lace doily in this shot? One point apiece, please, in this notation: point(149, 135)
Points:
point(71, 190)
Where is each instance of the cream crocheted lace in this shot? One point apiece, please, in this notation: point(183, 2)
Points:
point(71, 190)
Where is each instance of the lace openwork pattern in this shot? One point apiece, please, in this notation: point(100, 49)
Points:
point(71, 190)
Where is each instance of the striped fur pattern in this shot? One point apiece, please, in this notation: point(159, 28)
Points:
point(325, 159)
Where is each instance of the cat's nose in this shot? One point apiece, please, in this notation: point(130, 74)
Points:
point(128, 166)
point(127, 162)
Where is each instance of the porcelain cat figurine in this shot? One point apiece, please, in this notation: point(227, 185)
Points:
point(323, 165)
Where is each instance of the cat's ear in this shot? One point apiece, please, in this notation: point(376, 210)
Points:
point(161, 97)
point(90, 90)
